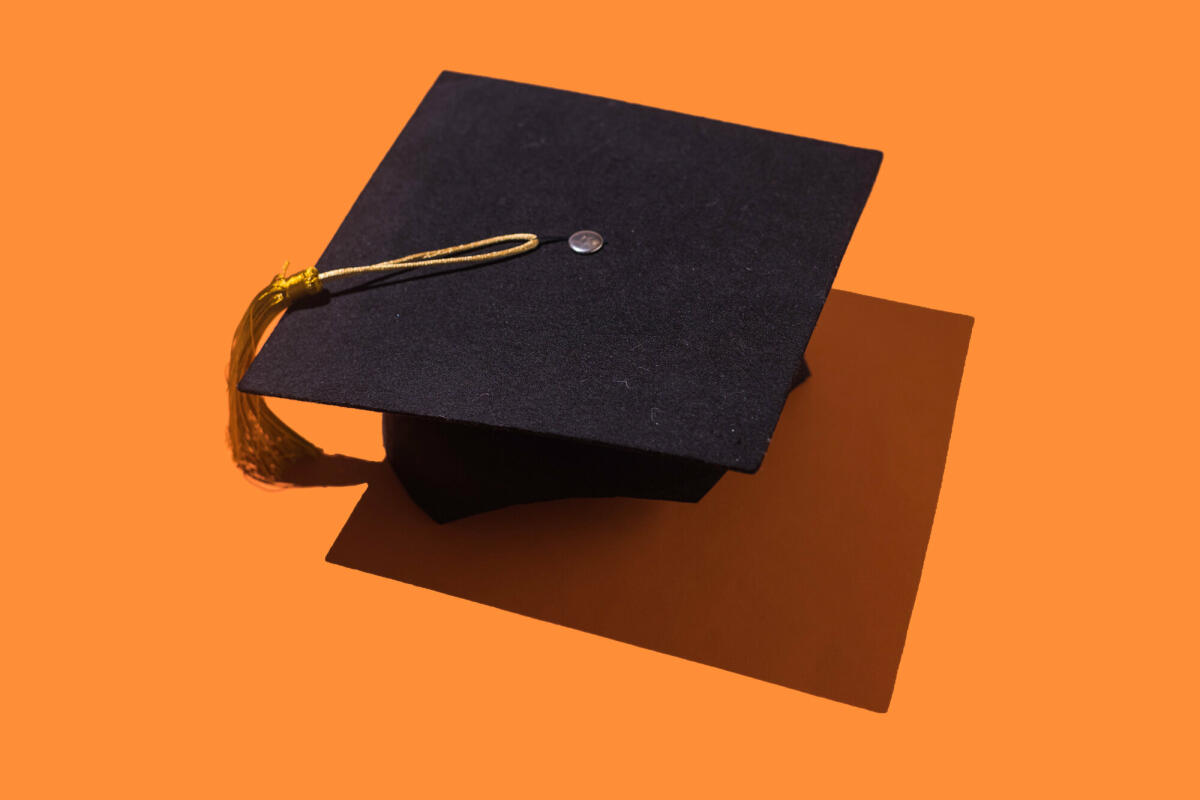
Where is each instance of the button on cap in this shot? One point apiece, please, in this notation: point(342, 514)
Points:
point(585, 241)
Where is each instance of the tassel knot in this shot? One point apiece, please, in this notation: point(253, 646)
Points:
point(293, 287)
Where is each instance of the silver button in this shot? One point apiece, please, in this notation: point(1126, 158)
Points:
point(585, 241)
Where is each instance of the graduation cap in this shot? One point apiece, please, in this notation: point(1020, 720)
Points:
point(622, 309)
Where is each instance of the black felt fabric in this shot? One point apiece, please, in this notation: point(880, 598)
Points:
point(680, 337)
point(453, 470)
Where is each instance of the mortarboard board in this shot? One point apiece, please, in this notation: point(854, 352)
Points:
point(645, 368)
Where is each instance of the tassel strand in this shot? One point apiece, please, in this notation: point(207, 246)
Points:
point(263, 445)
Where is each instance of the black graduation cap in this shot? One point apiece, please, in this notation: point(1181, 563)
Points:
point(646, 368)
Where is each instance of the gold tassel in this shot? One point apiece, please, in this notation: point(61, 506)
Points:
point(263, 445)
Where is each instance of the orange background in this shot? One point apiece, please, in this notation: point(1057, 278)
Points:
point(170, 629)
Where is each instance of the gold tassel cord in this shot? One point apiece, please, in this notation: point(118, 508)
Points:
point(263, 445)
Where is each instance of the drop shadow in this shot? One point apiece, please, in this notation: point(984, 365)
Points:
point(333, 470)
point(803, 574)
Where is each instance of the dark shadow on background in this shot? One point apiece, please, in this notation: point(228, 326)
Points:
point(804, 574)
point(333, 470)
